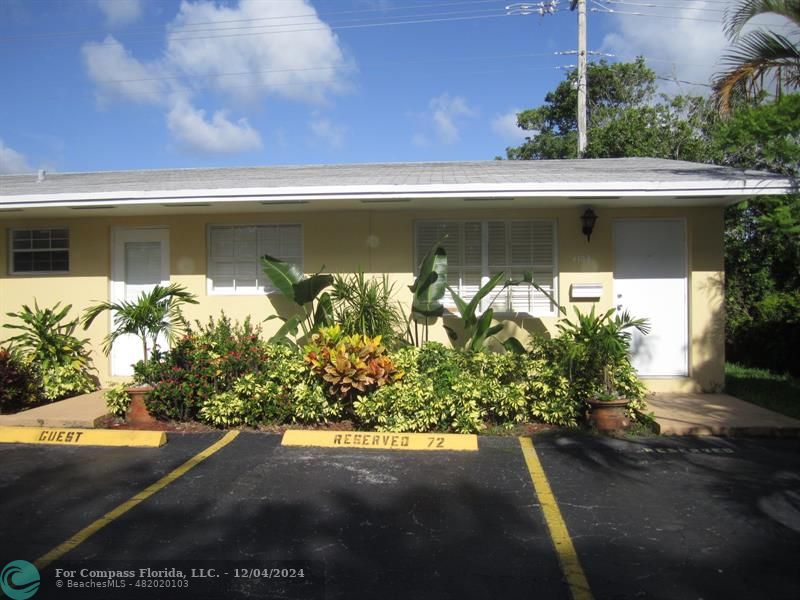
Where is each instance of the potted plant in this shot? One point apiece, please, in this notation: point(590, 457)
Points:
point(152, 315)
point(599, 364)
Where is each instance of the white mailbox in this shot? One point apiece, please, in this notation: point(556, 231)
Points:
point(586, 291)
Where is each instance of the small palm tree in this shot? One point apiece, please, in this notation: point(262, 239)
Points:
point(758, 53)
point(152, 314)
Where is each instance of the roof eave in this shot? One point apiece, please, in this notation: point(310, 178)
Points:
point(730, 191)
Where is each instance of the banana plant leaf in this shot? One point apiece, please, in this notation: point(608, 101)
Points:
point(512, 344)
point(290, 326)
point(283, 275)
point(468, 310)
point(429, 286)
point(483, 329)
point(323, 316)
point(306, 290)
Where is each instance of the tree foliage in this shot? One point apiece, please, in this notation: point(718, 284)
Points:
point(762, 238)
point(625, 117)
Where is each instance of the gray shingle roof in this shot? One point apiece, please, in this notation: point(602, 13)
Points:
point(644, 173)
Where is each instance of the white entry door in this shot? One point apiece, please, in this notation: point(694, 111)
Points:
point(140, 261)
point(650, 282)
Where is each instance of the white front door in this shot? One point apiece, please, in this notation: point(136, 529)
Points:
point(650, 282)
point(140, 261)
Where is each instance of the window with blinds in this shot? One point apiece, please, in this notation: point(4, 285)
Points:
point(235, 251)
point(476, 250)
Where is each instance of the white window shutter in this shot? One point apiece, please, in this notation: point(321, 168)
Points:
point(477, 250)
point(223, 242)
point(234, 262)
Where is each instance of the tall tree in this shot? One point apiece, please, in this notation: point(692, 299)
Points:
point(762, 238)
point(625, 118)
point(758, 54)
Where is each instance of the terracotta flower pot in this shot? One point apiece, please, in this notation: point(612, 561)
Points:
point(608, 415)
point(137, 411)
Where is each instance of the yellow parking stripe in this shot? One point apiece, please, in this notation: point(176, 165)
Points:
point(90, 530)
point(567, 556)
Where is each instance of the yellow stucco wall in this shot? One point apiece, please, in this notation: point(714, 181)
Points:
point(378, 241)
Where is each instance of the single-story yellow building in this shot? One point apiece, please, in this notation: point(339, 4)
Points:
point(656, 248)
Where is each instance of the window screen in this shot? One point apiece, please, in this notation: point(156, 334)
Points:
point(39, 250)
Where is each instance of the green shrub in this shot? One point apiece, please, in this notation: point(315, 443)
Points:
point(553, 399)
point(66, 381)
point(767, 334)
point(350, 365)
point(19, 386)
point(447, 390)
point(421, 401)
point(47, 342)
point(565, 375)
point(283, 391)
point(118, 400)
point(224, 374)
point(443, 389)
point(205, 362)
point(595, 351)
point(252, 400)
point(304, 391)
point(365, 306)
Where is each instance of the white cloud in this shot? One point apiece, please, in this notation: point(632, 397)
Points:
point(505, 127)
point(445, 109)
point(120, 12)
point(109, 61)
point(442, 118)
point(281, 60)
point(217, 135)
point(686, 50)
point(12, 161)
point(421, 140)
point(328, 131)
point(296, 58)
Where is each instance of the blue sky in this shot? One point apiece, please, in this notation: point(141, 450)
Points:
point(128, 84)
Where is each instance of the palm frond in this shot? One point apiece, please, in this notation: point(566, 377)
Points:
point(152, 314)
point(756, 54)
point(737, 17)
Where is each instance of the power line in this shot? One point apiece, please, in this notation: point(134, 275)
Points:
point(160, 28)
point(427, 17)
point(323, 28)
point(330, 68)
point(611, 11)
point(682, 81)
point(313, 82)
point(648, 5)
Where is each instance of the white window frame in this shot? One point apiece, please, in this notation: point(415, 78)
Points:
point(260, 290)
point(451, 308)
point(12, 251)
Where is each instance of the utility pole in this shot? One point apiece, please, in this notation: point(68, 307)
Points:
point(548, 7)
point(581, 5)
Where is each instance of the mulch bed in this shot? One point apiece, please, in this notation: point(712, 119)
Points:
point(111, 422)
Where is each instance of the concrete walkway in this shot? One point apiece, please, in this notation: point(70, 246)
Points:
point(717, 414)
point(80, 411)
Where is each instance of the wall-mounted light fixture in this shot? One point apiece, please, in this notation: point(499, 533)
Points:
point(588, 219)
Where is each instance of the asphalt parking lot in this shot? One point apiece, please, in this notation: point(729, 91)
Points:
point(648, 518)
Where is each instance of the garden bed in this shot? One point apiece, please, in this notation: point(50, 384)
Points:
point(112, 422)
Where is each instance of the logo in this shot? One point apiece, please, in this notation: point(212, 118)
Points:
point(19, 580)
